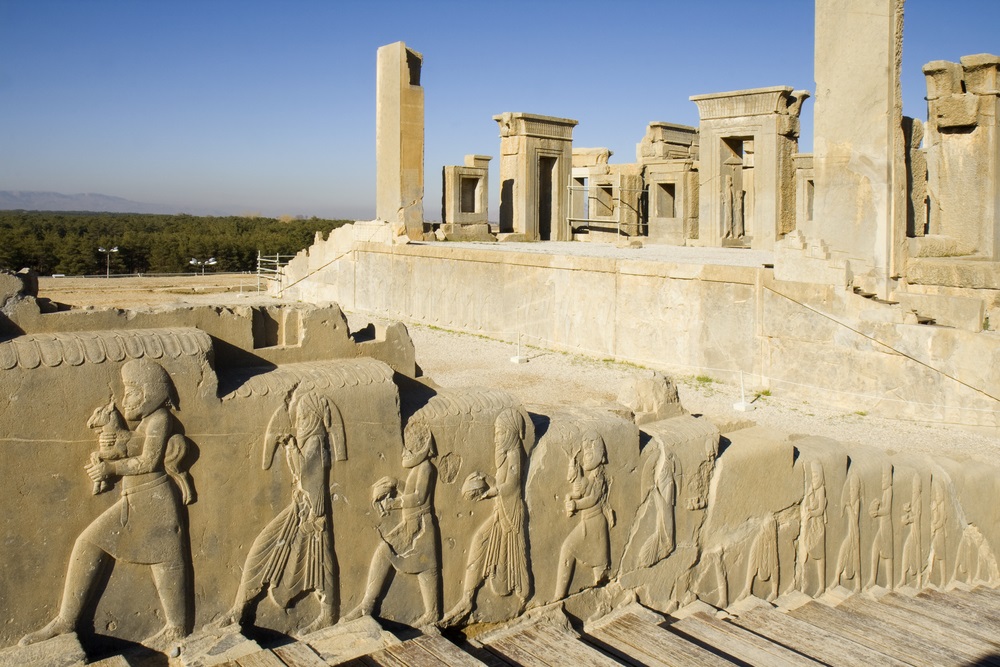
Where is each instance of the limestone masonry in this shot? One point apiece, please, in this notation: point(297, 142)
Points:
point(261, 485)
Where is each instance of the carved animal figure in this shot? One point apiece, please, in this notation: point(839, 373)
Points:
point(111, 424)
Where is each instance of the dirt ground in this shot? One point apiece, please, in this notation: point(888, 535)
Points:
point(455, 359)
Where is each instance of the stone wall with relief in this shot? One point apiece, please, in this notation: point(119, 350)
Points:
point(152, 493)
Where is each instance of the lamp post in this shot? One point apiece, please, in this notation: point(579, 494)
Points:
point(203, 263)
point(107, 253)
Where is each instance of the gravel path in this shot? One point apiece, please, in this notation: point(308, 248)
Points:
point(552, 378)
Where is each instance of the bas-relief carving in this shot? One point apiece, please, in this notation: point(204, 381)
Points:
point(975, 560)
point(937, 554)
point(658, 503)
point(145, 525)
point(880, 510)
point(589, 543)
point(762, 562)
point(498, 550)
point(411, 545)
point(294, 553)
point(849, 555)
point(911, 566)
point(812, 538)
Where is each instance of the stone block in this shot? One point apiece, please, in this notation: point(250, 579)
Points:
point(949, 311)
point(61, 651)
point(957, 110)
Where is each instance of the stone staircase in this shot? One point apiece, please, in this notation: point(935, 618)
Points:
point(960, 626)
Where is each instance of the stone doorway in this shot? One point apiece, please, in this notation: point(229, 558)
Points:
point(548, 169)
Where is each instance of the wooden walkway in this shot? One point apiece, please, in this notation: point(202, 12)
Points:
point(960, 627)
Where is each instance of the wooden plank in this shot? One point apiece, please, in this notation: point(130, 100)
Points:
point(815, 641)
point(945, 615)
point(299, 655)
point(983, 598)
point(951, 600)
point(446, 652)
point(574, 651)
point(737, 642)
point(516, 649)
point(263, 658)
point(971, 647)
point(411, 654)
point(654, 646)
point(386, 657)
point(874, 634)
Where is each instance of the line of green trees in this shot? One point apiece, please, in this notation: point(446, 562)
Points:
point(60, 242)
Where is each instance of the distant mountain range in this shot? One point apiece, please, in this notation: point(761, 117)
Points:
point(89, 201)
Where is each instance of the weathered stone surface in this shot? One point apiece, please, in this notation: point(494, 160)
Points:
point(399, 139)
point(535, 164)
point(60, 651)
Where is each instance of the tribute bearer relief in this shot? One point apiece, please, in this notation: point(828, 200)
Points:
point(881, 511)
point(849, 556)
point(411, 546)
point(812, 539)
point(294, 553)
point(144, 526)
point(498, 550)
point(589, 543)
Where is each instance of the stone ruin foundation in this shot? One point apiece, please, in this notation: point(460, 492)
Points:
point(267, 470)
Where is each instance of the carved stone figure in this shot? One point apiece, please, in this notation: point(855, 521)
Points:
point(938, 550)
point(910, 570)
point(728, 200)
point(294, 552)
point(849, 556)
point(699, 482)
point(144, 526)
point(712, 584)
point(411, 546)
point(589, 543)
point(812, 538)
point(659, 498)
point(975, 561)
point(498, 549)
point(762, 564)
point(881, 510)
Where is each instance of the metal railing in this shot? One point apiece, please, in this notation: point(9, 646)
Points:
point(271, 267)
point(615, 203)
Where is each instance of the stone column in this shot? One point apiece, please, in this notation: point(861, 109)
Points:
point(536, 160)
point(399, 139)
point(859, 148)
point(963, 156)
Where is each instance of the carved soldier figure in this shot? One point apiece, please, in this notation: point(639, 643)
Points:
point(849, 556)
point(938, 550)
point(911, 568)
point(498, 549)
point(762, 563)
point(411, 546)
point(589, 542)
point(294, 552)
point(144, 526)
point(881, 511)
point(812, 541)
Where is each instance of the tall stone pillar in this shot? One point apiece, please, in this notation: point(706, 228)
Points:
point(536, 160)
point(399, 139)
point(859, 148)
point(963, 155)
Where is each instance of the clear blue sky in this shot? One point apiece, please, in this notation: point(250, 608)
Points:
point(246, 105)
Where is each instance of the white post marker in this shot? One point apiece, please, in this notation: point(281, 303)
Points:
point(742, 405)
point(519, 358)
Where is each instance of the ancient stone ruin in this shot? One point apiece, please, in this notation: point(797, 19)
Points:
point(191, 483)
